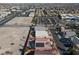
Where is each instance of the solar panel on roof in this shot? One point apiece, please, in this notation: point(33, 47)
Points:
point(39, 44)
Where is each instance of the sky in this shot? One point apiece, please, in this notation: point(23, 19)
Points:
point(39, 1)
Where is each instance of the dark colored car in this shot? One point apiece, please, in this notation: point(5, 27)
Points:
point(66, 41)
point(64, 51)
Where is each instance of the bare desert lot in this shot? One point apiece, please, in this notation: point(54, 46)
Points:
point(20, 21)
point(11, 39)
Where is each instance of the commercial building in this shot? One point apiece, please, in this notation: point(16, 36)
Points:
point(42, 42)
point(70, 19)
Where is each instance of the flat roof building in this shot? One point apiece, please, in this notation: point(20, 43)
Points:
point(31, 14)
